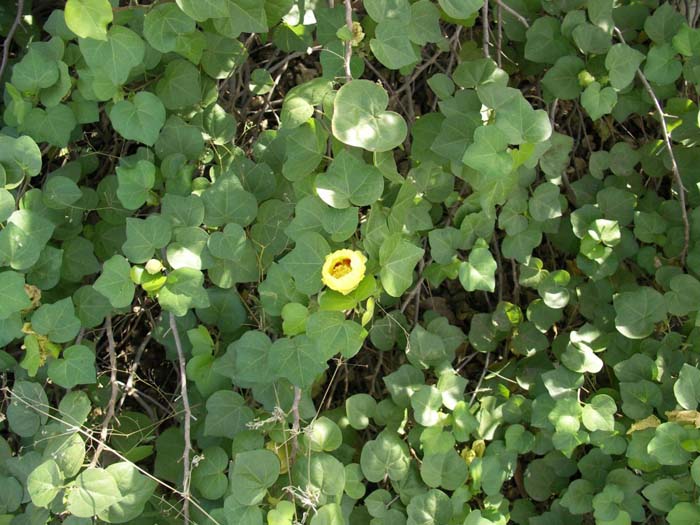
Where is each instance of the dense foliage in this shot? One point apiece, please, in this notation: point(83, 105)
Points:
point(388, 262)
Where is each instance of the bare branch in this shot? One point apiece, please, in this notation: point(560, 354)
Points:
point(520, 18)
point(111, 350)
point(485, 27)
point(128, 386)
point(296, 423)
point(186, 467)
point(674, 165)
point(348, 44)
point(481, 378)
point(10, 34)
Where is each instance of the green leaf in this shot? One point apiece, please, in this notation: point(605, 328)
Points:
point(242, 16)
point(397, 259)
point(163, 24)
point(578, 498)
point(332, 330)
point(53, 125)
point(75, 408)
point(666, 446)
point(56, 321)
point(381, 10)
point(324, 435)
point(77, 367)
point(300, 360)
point(684, 514)
point(425, 23)
point(545, 43)
point(140, 118)
point(663, 24)
point(221, 55)
point(488, 153)
point(330, 514)
point(246, 360)
point(135, 183)
point(44, 483)
point(599, 414)
point(136, 489)
point(684, 295)
point(637, 312)
point(13, 297)
point(598, 102)
point(54, 94)
point(226, 201)
point(591, 39)
point(460, 9)
point(145, 236)
point(360, 409)
point(622, 62)
point(360, 118)
point(7, 204)
point(183, 290)
point(88, 18)
point(226, 414)
point(304, 150)
point(60, 192)
point(22, 414)
point(114, 56)
point(201, 10)
point(299, 103)
point(433, 508)
point(34, 72)
point(426, 403)
point(115, 282)
point(305, 261)
point(219, 125)
point(385, 456)
point(687, 387)
point(562, 79)
point(392, 46)
point(20, 157)
point(23, 239)
point(178, 137)
point(444, 470)
point(253, 473)
point(349, 180)
point(227, 244)
point(479, 271)
point(92, 492)
point(687, 41)
point(180, 86)
point(208, 476)
point(662, 66)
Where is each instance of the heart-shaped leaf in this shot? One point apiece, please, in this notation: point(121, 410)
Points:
point(360, 117)
point(598, 102)
point(349, 180)
point(140, 118)
point(77, 367)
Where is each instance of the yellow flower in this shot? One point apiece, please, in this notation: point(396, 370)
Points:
point(343, 270)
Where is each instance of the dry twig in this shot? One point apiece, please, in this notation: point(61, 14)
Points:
point(348, 44)
point(186, 467)
point(674, 165)
point(10, 34)
point(111, 350)
point(520, 18)
point(296, 423)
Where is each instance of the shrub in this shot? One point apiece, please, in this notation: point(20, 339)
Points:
point(387, 262)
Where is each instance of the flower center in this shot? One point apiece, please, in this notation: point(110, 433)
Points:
point(341, 268)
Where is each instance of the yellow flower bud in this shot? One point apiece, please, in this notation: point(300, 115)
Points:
point(343, 270)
